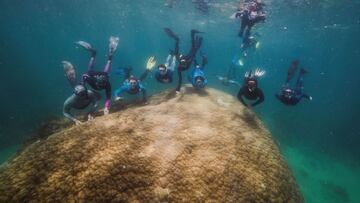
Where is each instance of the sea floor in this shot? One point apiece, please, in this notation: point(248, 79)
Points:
point(321, 178)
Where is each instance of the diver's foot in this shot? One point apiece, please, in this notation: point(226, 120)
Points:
point(113, 43)
point(194, 31)
point(85, 45)
point(170, 33)
point(303, 71)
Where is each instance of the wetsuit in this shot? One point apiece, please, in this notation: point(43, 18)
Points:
point(198, 72)
point(292, 96)
point(126, 87)
point(293, 99)
point(99, 80)
point(78, 102)
point(248, 19)
point(195, 74)
point(168, 76)
point(185, 61)
point(251, 95)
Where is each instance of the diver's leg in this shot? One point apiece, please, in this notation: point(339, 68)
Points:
point(172, 64)
point(167, 62)
point(113, 43)
point(92, 60)
point(244, 22)
point(107, 67)
point(299, 83)
point(291, 71)
point(180, 79)
point(193, 37)
point(70, 73)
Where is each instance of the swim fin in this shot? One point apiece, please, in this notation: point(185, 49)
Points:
point(84, 45)
point(196, 31)
point(241, 62)
point(113, 43)
point(70, 73)
point(303, 71)
point(292, 69)
point(170, 33)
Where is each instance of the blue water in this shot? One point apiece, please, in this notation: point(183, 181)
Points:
point(35, 36)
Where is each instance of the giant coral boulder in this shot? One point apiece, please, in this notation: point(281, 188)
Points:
point(196, 147)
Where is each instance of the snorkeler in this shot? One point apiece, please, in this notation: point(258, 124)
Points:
point(81, 99)
point(164, 72)
point(184, 61)
point(250, 14)
point(250, 89)
point(99, 80)
point(132, 85)
point(250, 43)
point(197, 76)
point(292, 96)
point(230, 75)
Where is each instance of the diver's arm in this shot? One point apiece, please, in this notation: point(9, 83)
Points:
point(239, 96)
point(144, 74)
point(204, 60)
point(66, 111)
point(278, 96)
point(307, 96)
point(108, 96)
point(120, 91)
point(261, 98)
point(234, 82)
point(143, 90)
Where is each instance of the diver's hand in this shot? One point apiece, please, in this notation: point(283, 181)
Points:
point(106, 111)
point(90, 117)
point(150, 63)
point(77, 122)
point(118, 98)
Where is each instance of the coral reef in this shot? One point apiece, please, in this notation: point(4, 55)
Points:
point(193, 147)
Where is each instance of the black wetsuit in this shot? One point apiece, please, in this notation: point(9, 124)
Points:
point(248, 20)
point(189, 58)
point(77, 102)
point(294, 99)
point(251, 95)
point(91, 78)
point(292, 95)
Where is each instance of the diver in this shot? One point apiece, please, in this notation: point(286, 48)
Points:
point(132, 85)
point(81, 97)
point(99, 80)
point(164, 72)
point(249, 43)
point(197, 76)
point(250, 14)
point(184, 61)
point(292, 96)
point(231, 76)
point(250, 89)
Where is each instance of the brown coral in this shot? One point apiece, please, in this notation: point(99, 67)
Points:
point(189, 148)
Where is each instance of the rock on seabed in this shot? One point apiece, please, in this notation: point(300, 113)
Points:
point(196, 147)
